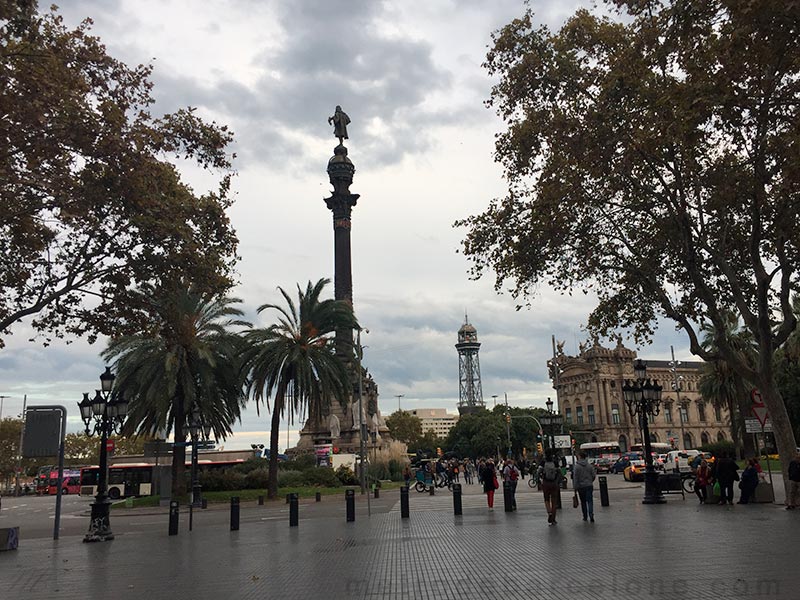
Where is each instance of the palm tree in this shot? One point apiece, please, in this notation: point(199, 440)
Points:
point(296, 360)
point(189, 360)
point(723, 386)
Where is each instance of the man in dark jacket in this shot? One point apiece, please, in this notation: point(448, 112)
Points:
point(794, 483)
point(725, 472)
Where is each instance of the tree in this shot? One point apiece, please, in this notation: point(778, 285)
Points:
point(724, 387)
point(9, 447)
point(80, 449)
point(405, 427)
point(187, 359)
point(296, 360)
point(652, 160)
point(89, 205)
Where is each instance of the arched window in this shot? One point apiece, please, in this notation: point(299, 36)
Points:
point(653, 437)
point(720, 437)
point(623, 443)
point(704, 439)
point(594, 438)
point(688, 441)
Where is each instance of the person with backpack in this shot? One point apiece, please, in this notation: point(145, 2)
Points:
point(583, 476)
point(550, 476)
point(511, 476)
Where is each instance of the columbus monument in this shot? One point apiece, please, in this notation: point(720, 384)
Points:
point(340, 426)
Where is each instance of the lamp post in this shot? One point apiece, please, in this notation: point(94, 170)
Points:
point(549, 405)
point(197, 428)
point(107, 414)
point(362, 429)
point(676, 386)
point(644, 399)
point(398, 396)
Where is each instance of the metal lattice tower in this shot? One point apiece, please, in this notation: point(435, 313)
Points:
point(470, 394)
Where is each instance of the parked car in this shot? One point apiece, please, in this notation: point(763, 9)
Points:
point(603, 465)
point(678, 461)
point(624, 461)
point(635, 470)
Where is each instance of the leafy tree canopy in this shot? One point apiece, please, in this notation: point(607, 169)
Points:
point(89, 205)
point(404, 427)
point(653, 159)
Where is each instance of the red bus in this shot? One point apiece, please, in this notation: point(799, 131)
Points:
point(42, 481)
point(128, 480)
point(70, 483)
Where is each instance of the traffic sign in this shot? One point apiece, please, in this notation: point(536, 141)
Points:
point(110, 446)
point(561, 441)
point(760, 412)
point(753, 425)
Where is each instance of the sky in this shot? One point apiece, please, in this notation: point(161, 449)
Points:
point(409, 75)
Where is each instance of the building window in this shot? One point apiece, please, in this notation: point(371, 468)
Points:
point(701, 410)
point(684, 414)
point(590, 410)
point(668, 413)
point(615, 414)
point(579, 415)
point(568, 415)
point(718, 414)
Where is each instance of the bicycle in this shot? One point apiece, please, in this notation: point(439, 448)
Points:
point(533, 480)
point(688, 481)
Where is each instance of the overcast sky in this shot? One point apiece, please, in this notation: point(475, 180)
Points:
point(409, 75)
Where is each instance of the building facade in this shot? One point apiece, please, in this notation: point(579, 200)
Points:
point(589, 397)
point(437, 420)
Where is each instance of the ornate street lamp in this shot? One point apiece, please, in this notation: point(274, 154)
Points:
point(105, 413)
point(644, 399)
point(549, 405)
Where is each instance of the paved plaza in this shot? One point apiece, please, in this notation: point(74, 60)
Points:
point(677, 550)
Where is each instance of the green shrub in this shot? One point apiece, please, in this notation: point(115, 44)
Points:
point(222, 481)
point(257, 479)
point(301, 463)
point(291, 479)
point(252, 464)
point(720, 448)
point(321, 476)
point(346, 476)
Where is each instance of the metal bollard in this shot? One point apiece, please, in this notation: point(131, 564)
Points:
point(404, 502)
point(293, 510)
point(204, 503)
point(173, 517)
point(433, 489)
point(377, 492)
point(261, 500)
point(318, 497)
point(507, 504)
point(603, 490)
point(350, 502)
point(558, 498)
point(457, 510)
point(234, 513)
point(288, 497)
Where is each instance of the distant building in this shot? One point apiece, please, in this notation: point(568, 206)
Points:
point(589, 393)
point(437, 420)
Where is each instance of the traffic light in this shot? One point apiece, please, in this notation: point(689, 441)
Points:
point(508, 418)
point(439, 451)
point(539, 448)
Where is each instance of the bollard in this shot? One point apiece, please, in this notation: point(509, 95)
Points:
point(318, 497)
point(173, 517)
point(293, 510)
point(288, 497)
point(204, 503)
point(558, 499)
point(261, 500)
point(507, 505)
point(457, 499)
point(377, 492)
point(433, 489)
point(350, 501)
point(603, 491)
point(234, 513)
point(404, 502)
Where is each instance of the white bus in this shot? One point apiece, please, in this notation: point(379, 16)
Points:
point(595, 450)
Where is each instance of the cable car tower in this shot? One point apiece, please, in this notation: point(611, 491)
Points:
point(470, 394)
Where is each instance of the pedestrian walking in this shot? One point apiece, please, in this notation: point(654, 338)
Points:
point(511, 476)
point(490, 484)
point(583, 476)
point(550, 476)
point(794, 483)
point(725, 472)
point(407, 475)
point(748, 482)
point(702, 480)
